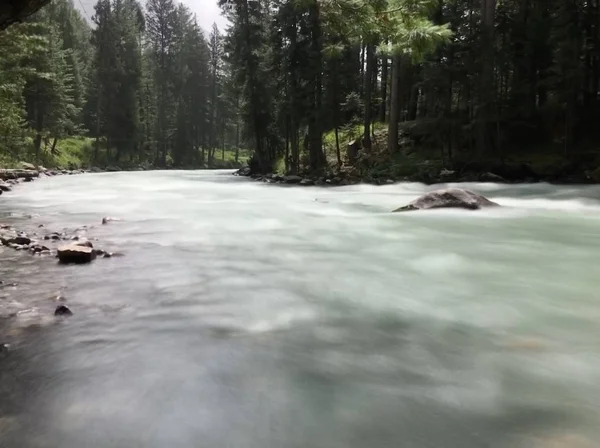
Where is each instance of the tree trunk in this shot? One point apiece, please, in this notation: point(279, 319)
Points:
point(394, 104)
point(53, 148)
point(384, 83)
point(368, 98)
point(486, 93)
point(237, 141)
point(338, 152)
point(335, 108)
point(315, 130)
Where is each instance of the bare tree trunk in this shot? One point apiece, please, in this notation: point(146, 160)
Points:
point(488, 13)
point(337, 148)
point(53, 148)
point(237, 141)
point(394, 104)
point(368, 97)
point(384, 83)
point(315, 130)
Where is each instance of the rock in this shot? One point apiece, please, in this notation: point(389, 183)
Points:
point(389, 181)
point(307, 182)
point(5, 186)
point(95, 169)
point(448, 198)
point(447, 176)
point(244, 171)
point(21, 240)
point(113, 169)
point(100, 252)
point(491, 177)
point(27, 166)
point(84, 244)
point(63, 310)
point(113, 254)
point(75, 253)
point(18, 174)
point(292, 179)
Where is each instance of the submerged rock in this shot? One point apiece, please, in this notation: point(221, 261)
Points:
point(307, 182)
point(448, 198)
point(108, 219)
point(75, 253)
point(63, 310)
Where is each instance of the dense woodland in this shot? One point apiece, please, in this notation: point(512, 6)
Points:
point(472, 80)
point(294, 81)
point(148, 86)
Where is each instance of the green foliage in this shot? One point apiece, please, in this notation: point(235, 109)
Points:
point(140, 83)
point(72, 152)
point(485, 78)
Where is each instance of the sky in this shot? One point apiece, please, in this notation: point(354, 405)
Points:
point(207, 11)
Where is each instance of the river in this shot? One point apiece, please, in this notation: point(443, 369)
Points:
point(245, 315)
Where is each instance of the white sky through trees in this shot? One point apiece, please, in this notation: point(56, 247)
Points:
point(207, 12)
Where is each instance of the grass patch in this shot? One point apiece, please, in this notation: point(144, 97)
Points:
point(72, 152)
point(348, 133)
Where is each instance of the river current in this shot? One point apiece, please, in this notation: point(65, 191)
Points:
point(246, 315)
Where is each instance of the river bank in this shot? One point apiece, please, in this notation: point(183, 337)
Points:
point(504, 174)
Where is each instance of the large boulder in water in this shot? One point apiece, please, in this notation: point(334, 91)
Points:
point(76, 253)
point(448, 198)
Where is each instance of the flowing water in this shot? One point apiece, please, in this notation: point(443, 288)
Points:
point(247, 315)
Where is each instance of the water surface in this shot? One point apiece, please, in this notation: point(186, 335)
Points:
point(253, 316)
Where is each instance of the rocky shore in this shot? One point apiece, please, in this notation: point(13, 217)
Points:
point(9, 178)
point(516, 173)
point(65, 246)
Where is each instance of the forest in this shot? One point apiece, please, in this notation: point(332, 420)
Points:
point(377, 88)
point(137, 87)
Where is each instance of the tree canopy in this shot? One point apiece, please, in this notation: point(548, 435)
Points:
point(471, 80)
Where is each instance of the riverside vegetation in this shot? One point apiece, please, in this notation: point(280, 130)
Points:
point(126, 88)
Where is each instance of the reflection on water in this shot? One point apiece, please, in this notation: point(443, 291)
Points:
point(246, 315)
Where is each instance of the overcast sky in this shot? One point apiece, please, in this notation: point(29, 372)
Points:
point(206, 11)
